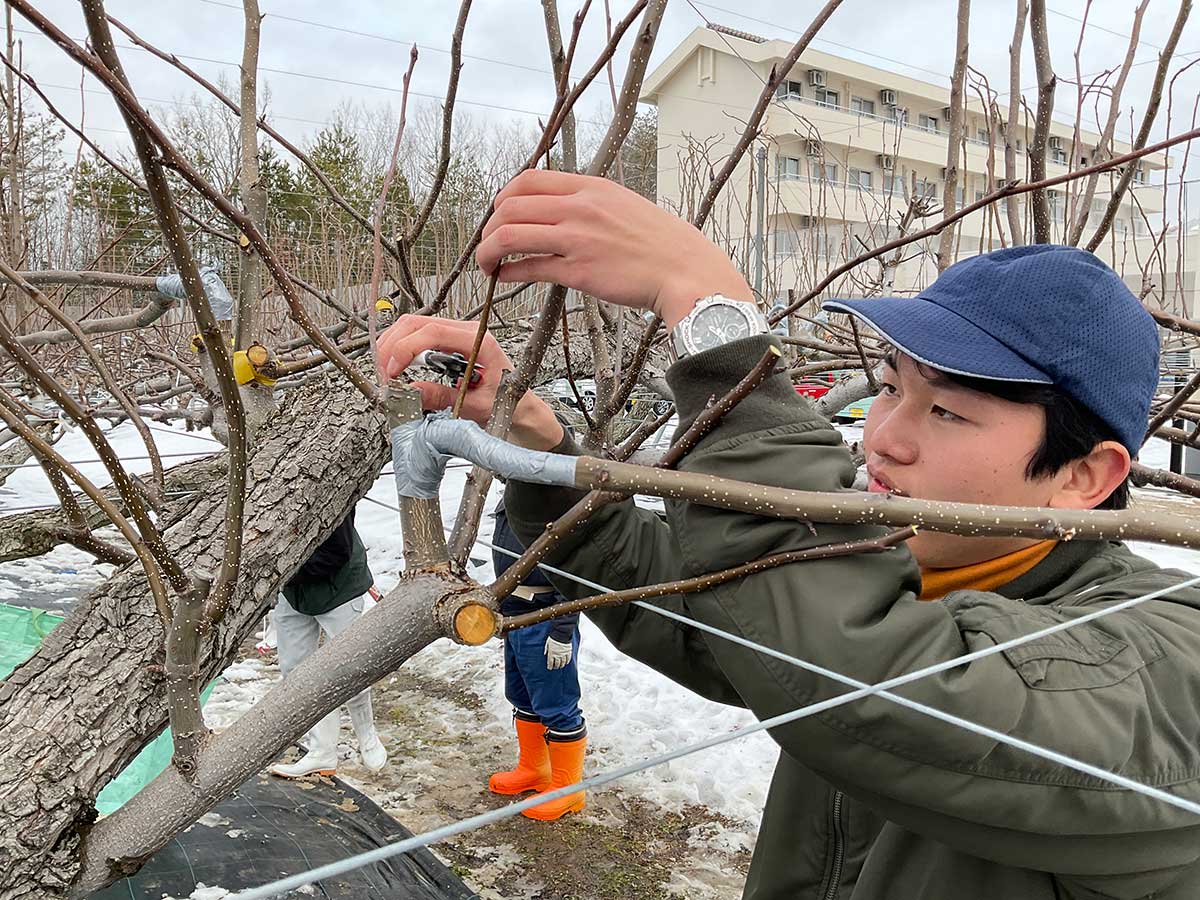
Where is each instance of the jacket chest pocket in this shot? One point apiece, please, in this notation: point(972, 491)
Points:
point(1081, 658)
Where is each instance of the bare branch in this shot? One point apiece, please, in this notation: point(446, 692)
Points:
point(1041, 129)
point(705, 582)
point(1143, 134)
point(380, 206)
point(945, 254)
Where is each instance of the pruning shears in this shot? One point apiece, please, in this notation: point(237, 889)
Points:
point(451, 365)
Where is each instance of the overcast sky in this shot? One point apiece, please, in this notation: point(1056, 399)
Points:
point(317, 55)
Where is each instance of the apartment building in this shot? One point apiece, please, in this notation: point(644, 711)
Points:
point(851, 155)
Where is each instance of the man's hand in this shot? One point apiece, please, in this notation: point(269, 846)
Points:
point(598, 237)
point(558, 654)
point(534, 425)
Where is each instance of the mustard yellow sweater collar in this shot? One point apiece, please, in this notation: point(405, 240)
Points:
point(984, 576)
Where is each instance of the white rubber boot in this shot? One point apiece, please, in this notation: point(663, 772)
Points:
point(374, 756)
point(321, 758)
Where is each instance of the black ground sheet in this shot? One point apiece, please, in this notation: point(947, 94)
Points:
point(272, 828)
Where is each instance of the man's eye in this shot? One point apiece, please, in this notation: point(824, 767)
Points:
point(885, 388)
point(943, 413)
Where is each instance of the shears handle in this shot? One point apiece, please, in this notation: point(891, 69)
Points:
point(452, 365)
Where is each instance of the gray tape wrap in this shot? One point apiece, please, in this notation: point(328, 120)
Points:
point(214, 289)
point(420, 451)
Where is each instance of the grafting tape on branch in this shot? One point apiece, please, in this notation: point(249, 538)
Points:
point(421, 449)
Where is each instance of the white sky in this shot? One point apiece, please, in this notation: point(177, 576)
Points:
point(357, 51)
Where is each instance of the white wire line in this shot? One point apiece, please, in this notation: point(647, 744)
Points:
point(333, 869)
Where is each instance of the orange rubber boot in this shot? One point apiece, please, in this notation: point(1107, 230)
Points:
point(566, 767)
point(533, 764)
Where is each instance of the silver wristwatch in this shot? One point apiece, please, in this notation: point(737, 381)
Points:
point(715, 320)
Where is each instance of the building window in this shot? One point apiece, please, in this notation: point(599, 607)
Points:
point(958, 198)
point(787, 166)
point(862, 107)
point(825, 97)
point(861, 179)
point(1118, 226)
point(927, 123)
point(982, 136)
point(900, 116)
point(927, 189)
point(788, 90)
point(817, 242)
point(895, 184)
point(823, 171)
point(786, 242)
point(1139, 174)
point(1059, 156)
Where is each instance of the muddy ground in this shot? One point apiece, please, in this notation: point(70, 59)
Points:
point(620, 846)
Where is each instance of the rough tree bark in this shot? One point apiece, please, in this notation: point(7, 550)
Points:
point(1040, 201)
point(92, 696)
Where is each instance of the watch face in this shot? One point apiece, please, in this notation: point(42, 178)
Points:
point(718, 324)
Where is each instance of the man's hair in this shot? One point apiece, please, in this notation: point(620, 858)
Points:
point(1072, 430)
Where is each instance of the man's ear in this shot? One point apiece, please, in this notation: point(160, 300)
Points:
point(1086, 482)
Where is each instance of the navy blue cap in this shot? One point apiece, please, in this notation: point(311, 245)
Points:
point(1039, 313)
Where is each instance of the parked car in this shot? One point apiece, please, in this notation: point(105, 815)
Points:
point(854, 412)
point(560, 390)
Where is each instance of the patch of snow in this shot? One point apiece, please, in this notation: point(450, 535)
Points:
point(202, 892)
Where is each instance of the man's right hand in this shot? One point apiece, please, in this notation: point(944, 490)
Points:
point(534, 425)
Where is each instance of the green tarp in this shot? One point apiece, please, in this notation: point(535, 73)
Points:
point(22, 632)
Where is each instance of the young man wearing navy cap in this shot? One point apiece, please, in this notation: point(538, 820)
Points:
point(1020, 377)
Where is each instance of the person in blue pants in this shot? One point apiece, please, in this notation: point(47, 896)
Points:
point(541, 681)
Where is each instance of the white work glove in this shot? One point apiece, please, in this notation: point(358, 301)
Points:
point(558, 654)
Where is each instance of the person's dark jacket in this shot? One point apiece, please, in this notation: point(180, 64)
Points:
point(336, 573)
point(542, 593)
point(870, 800)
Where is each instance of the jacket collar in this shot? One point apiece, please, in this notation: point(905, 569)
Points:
point(1052, 571)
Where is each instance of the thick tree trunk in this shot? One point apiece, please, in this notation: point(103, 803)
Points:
point(374, 646)
point(92, 696)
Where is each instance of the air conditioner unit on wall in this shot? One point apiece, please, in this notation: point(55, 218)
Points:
point(812, 148)
point(887, 97)
point(1055, 142)
point(816, 77)
point(887, 162)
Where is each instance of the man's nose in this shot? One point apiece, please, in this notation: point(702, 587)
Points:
point(892, 435)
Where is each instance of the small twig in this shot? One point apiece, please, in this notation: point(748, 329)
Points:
point(377, 231)
point(638, 436)
point(566, 328)
point(480, 332)
point(712, 416)
point(705, 582)
point(868, 368)
point(1165, 414)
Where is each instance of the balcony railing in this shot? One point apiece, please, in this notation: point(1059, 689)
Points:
point(875, 117)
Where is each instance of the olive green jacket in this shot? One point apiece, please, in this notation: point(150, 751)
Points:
point(872, 801)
